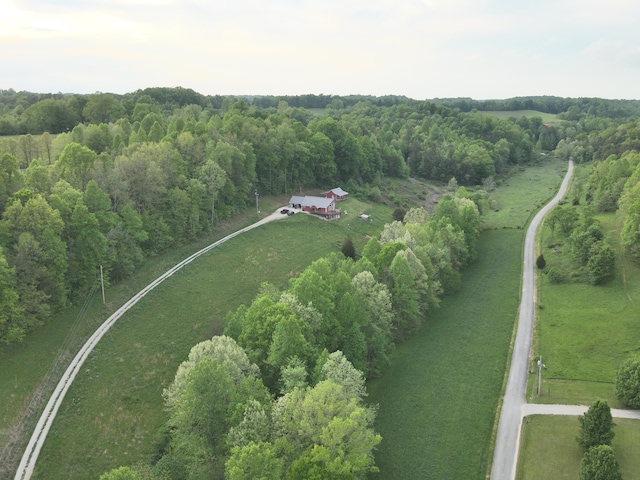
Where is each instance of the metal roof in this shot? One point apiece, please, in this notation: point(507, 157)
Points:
point(336, 191)
point(309, 201)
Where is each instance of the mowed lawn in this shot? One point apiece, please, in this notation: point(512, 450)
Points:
point(113, 413)
point(543, 436)
point(438, 399)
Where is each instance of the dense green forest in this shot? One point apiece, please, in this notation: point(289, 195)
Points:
point(103, 179)
point(101, 182)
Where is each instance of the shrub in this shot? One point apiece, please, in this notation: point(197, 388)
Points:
point(601, 263)
point(399, 213)
point(555, 275)
point(541, 263)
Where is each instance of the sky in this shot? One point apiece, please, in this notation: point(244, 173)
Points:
point(423, 49)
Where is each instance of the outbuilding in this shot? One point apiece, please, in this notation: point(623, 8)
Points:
point(336, 193)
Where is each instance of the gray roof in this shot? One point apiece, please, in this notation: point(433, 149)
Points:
point(308, 201)
point(340, 192)
point(336, 191)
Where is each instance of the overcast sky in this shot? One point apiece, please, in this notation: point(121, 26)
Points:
point(418, 48)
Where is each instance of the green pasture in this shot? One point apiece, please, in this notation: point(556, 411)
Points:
point(113, 413)
point(585, 332)
point(546, 117)
point(522, 194)
point(548, 448)
point(438, 399)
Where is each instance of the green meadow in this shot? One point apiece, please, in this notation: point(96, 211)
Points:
point(438, 399)
point(521, 195)
point(548, 448)
point(546, 117)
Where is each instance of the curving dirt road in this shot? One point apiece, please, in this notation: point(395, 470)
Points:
point(30, 456)
point(508, 436)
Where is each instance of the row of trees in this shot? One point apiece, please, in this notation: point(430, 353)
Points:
point(595, 436)
point(612, 186)
point(269, 400)
point(568, 108)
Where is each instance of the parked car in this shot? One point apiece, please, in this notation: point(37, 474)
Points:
point(290, 212)
point(284, 211)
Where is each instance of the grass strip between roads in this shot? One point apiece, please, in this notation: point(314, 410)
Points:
point(438, 399)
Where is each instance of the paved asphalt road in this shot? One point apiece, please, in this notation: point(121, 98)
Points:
point(508, 437)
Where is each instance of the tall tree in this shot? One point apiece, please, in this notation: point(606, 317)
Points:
point(326, 427)
point(37, 179)
point(75, 165)
point(253, 461)
point(404, 295)
point(596, 426)
point(12, 327)
point(102, 108)
point(87, 249)
point(214, 178)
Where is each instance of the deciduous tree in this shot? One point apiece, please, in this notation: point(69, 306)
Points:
point(628, 383)
point(75, 165)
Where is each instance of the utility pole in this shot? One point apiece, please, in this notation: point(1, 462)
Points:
point(540, 365)
point(104, 302)
point(257, 204)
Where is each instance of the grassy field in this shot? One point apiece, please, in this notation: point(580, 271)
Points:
point(546, 117)
point(544, 436)
point(438, 399)
point(584, 332)
point(113, 413)
point(523, 193)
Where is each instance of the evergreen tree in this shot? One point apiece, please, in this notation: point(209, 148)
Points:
point(596, 426)
point(599, 463)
